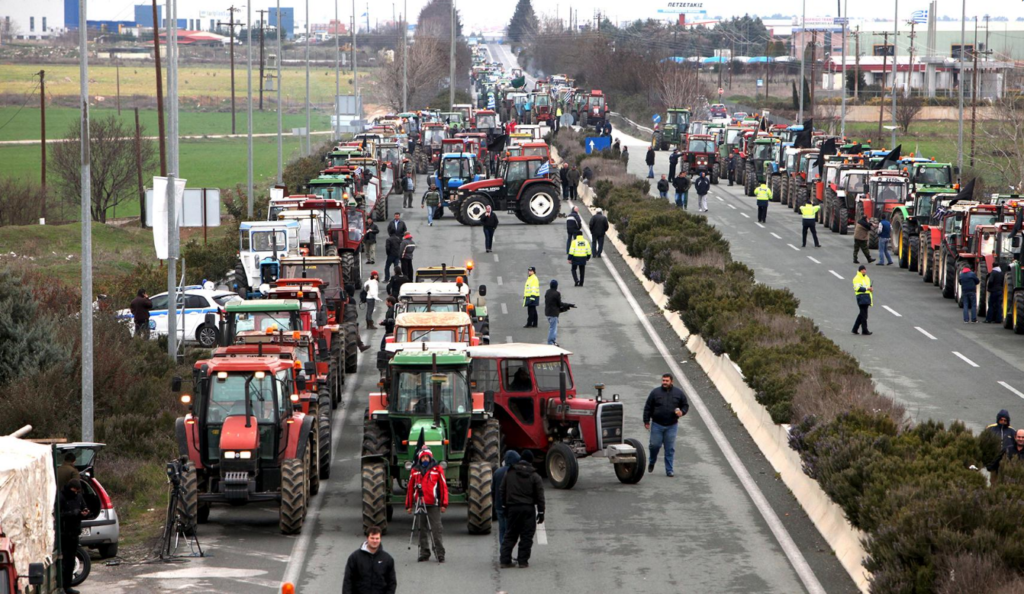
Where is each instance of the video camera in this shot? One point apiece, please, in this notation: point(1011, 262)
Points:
point(173, 471)
point(566, 307)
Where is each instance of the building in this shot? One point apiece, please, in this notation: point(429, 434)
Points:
point(39, 19)
point(287, 20)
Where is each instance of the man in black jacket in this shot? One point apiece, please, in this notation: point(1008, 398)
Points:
point(395, 285)
point(649, 159)
point(72, 511)
point(552, 309)
point(563, 177)
point(405, 255)
point(388, 323)
point(370, 243)
point(573, 225)
point(664, 407)
point(140, 308)
point(1014, 451)
point(598, 229)
point(673, 162)
point(370, 570)
point(392, 253)
point(994, 286)
point(490, 224)
point(523, 498)
point(397, 226)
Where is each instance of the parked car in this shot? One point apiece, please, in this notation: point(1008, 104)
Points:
point(193, 304)
point(101, 529)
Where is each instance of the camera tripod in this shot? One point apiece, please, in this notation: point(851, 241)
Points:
point(419, 515)
point(180, 523)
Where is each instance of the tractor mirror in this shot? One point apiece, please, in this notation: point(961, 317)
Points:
point(36, 574)
point(482, 290)
point(321, 345)
point(211, 319)
point(561, 386)
point(175, 384)
point(309, 367)
point(300, 383)
point(489, 401)
point(1015, 243)
point(321, 317)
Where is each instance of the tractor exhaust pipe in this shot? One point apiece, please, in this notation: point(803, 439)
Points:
point(436, 393)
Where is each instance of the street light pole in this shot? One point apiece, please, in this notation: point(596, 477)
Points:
point(803, 58)
point(895, 67)
point(842, 124)
point(172, 175)
point(280, 123)
point(405, 56)
point(960, 83)
point(309, 146)
point(337, 71)
point(248, 74)
point(451, 65)
point(86, 313)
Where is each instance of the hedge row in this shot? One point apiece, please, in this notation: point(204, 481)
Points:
point(933, 523)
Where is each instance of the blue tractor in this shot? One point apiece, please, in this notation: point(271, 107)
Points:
point(453, 170)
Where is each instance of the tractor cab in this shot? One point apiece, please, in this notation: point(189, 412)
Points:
point(433, 134)
point(760, 153)
point(537, 149)
point(700, 155)
point(261, 245)
point(259, 316)
point(340, 156)
point(431, 297)
point(312, 230)
point(455, 327)
point(537, 405)
point(345, 224)
point(676, 125)
point(542, 107)
point(283, 203)
point(486, 121)
point(325, 272)
point(887, 190)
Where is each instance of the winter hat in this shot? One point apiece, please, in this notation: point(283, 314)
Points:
point(511, 457)
point(425, 453)
point(1003, 414)
point(527, 456)
point(554, 284)
point(408, 236)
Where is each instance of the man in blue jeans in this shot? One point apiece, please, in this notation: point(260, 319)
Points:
point(884, 235)
point(968, 286)
point(552, 309)
point(664, 407)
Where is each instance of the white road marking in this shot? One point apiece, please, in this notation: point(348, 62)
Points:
point(500, 282)
point(790, 245)
point(504, 310)
point(508, 339)
point(925, 332)
point(792, 552)
point(774, 234)
point(745, 215)
point(497, 260)
point(732, 207)
point(1012, 389)
point(720, 199)
point(811, 258)
point(542, 533)
point(892, 311)
point(760, 225)
point(834, 273)
point(968, 361)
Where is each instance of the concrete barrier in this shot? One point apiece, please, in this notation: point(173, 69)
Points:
point(772, 439)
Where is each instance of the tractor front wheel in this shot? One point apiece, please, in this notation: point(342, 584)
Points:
point(380, 208)
point(949, 283)
point(714, 177)
point(324, 434)
point(478, 496)
point(630, 473)
point(486, 443)
point(351, 346)
point(188, 503)
point(844, 220)
point(539, 205)
point(375, 496)
point(914, 254)
point(294, 489)
point(1008, 306)
point(562, 467)
point(350, 268)
point(474, 209)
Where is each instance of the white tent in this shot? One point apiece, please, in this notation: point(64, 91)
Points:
point(27, 491)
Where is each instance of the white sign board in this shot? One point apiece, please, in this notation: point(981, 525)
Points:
point(157, 213)
point(683, 7)
point(190, 207)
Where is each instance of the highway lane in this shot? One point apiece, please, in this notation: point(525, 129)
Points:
point(697, 532)
point(921, 352)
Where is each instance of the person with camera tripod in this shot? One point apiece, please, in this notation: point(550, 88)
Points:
point(427, 498)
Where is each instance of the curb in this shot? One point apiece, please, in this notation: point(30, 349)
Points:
point(771, 439)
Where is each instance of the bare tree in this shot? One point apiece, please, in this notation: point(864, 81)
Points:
point(677, 85)
point(20, 201)
point(907, 111)
point(1003, 145)
point(428, 69)
point(113, 164)
point(826, 117)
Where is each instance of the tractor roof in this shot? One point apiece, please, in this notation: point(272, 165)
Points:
point(419, 356)
point(268, 225)
point(253, 349)
point(517, 350)
point(438, 290)
point(435, 273)
point(467, 156)
point(269, 363)
point(309, 260)
point(262, 305)
point(433, 319)
point(679, 109)
point(331, 180)
point(527, 158)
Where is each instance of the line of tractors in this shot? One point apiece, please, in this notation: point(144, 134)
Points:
point(937, 226)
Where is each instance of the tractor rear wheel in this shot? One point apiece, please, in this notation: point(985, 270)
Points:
point(783, 191)
point(474, 209)
point(334, 373)
point(659, 141)
point(748, 184)
point(351, 347)
point(239, 281)
point(486, 443)
point(1018, 312)
point(776, 188)
point(562, 467)
point(948, 281)
point(630, 473)
point(539, 204)
point(294, 489)
point(332, 250)
point(936, 267)
point(324, 433)
point(376, 441)
point(1008, 306)
point(375, 495)
point(899, 237)
point(478, 496)
point(350, 270)
point(825, 214)
point(914, 254)
point(926, 263)
point(188, 503)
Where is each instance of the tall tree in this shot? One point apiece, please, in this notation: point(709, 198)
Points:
point(524, 23)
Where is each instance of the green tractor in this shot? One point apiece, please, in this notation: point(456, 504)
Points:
point(1012, 260)
point(427, 401)
point(761, 152)
point(677, 124)
point(930, 182)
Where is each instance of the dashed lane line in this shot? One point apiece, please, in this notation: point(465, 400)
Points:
point(496, 259)
point(811, 258)
point(745, 215)
point(776, 235)
point(1012, 389)
point(892, 311)
point(925, 332)
point(500, 282)
point(966, 360)
point(504, 309)
point(793, 246)
point(732, 207)
point(508, 339)
point(760, 225)
point(542, 534)
point(836, 274)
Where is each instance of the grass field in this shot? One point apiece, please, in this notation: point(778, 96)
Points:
point(194, 83)
point(23, 124)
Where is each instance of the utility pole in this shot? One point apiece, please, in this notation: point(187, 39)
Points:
point(803, 57)
point(405, 56)
point(895, 67)
point(159, 92)
point(355, 67)
point(960, 83)
point(172, 175)
point(885, 60)
point(810, 83)
point(767, 62)
point(842, 119)
point(280, 138)
point(138, 170)
point(231, 32)
point(988, 52)
point(42, 132)
point(86, 312)
point(732, 56)
point(974, 88)
point(910, 71)
point(248, 103)
point(451, 65)
point(309, 146)
point(856, 64)
point(337, 73)
point(262, 14)
point(117, 69)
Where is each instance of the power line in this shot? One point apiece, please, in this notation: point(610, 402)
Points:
point(27, 98)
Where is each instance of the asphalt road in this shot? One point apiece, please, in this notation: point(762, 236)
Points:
point(921, 352)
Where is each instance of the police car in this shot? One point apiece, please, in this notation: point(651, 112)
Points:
point(194, 303)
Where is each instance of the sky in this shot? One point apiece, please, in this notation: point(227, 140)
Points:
point(492, 16)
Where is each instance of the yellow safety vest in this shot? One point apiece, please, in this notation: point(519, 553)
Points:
point(810, 211)
point(532, 288)
point(580, 247)
point(558, 111)
point(763, 192)
point(861, 284)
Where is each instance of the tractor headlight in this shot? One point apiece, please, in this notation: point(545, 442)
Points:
point(229, 455)
point(246, 455)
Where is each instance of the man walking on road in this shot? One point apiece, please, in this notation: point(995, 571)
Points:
point(563, 177)
point(968, 286)
point(994, 287)
point(574, 182)
point(409, 185)
point(682, 185)
point(397, 226)
point(861, 234)
point(511, 458)
point(703, 186)
point(531, 297)
point(663, 187)
point(370, 570)
point(865, 299)
point(428, 487)
point(552, 309)
point(490, 225)
point(405, 255)
point(523, 496)
point(673, 161)
point(573, 226)
point(650, 162)
point(579, 254)
point(884, 235)
point(140, 308)
point(372, 288)
point(664, 407)
point(392, 253)
point(764, 195)
point(598, 229)
point(809, 212)
point(370, 243)
point(431, 199)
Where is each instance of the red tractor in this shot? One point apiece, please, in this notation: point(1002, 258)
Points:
point(523, 189)
point(593, 109)
point(247, 440)
point(887, 190)
point(429, 146)
point(959, 225)
point(536, 404)
point(344, 227)
point(340, 338)
point(699, 155)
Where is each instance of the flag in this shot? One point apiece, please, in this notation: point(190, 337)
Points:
point(919, 16)
point(490, 102)
point(893, 156)
point(827, 148)
point(965, 193)
point(544, 169)
point(803, 139)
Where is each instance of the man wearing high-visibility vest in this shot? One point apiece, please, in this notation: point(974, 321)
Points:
point(764, 194)
point(810, 214)
point(865, 299)
point(579, 253)
point(531, 297)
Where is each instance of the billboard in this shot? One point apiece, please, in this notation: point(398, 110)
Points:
point(683, 7)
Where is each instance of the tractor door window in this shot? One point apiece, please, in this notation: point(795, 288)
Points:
point(522, 409)
point(516, 375)
point(547, 373)
point(923, 205)
point(262, 241)
point(517, 171)
point(227, 397)
point(699, 145)
point(890, 193)
point(244, 235)
point(415, 392)
point(762, 151)
point(981, 219)
point(855, 184)
point(453, 168)
point(485, 371)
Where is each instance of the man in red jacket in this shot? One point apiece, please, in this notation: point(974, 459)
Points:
point(427, 495)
